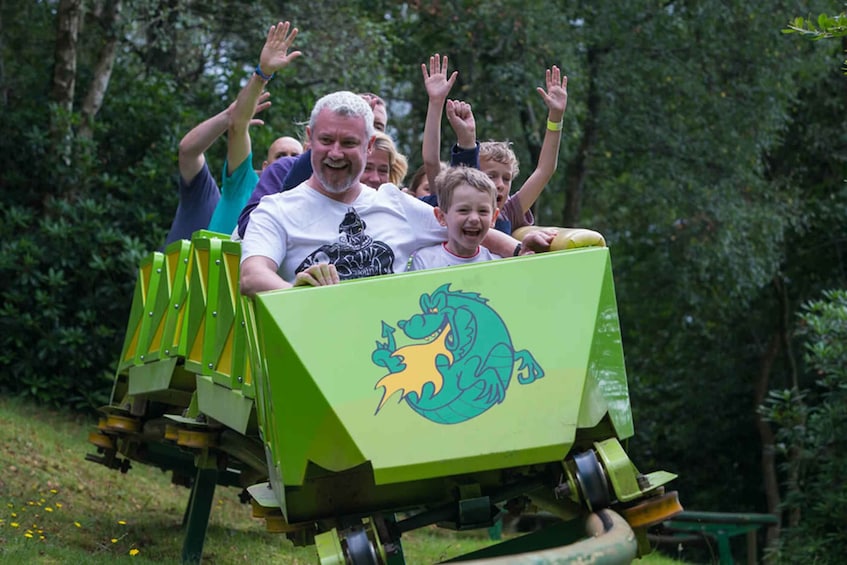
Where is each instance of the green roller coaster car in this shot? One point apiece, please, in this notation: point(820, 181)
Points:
point(356, 412)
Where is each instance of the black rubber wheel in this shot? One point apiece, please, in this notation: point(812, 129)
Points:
point(360, 550)
point(592, 481)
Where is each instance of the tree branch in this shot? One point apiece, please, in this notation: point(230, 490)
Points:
point(103, 69)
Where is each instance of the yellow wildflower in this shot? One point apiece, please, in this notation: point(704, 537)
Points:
point(122, 522)
point(77, 524)
point(133, 552)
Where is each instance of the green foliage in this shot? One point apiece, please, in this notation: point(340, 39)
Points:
point(822, 27)
point(812, 423)
point(63, 283)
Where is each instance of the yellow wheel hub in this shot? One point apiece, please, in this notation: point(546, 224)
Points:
point(101, 440)
point(120, 423)
point(653, 510)
point(190, 438)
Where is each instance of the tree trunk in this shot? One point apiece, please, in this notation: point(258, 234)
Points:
point(4, 88)
point(794, 451)
point(769, 474)
point(64, 69)
point(69, 18)
point(103, 69)
point(577, 169)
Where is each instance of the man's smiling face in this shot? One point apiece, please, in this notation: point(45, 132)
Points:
point(339, 150)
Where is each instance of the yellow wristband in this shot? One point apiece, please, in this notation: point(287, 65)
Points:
point(554, 126)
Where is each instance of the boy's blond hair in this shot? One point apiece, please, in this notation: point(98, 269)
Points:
point(501, 152)
point(398, 166)
point(452, 177)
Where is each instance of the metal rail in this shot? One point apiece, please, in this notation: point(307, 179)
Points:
point(611, 541)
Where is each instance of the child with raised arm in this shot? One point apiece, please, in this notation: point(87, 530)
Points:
point(499, 162)
point(496, 159)
point(465, 151)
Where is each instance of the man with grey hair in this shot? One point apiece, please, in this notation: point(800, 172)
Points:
point(332, 227)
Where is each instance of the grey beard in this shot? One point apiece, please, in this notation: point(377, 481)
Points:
point(343, 186)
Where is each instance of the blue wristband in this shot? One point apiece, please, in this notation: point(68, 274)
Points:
point(263, 75)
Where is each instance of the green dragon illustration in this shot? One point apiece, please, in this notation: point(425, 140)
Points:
point(462, 361)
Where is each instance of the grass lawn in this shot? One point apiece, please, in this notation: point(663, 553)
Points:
point(55, 507)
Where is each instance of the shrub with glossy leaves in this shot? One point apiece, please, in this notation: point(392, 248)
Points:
point(65, 276)
point(812, 423)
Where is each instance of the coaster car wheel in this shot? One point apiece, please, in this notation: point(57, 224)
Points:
point(591, 479)
point(360, 549)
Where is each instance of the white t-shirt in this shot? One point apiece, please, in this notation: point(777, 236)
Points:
point(438, 255)
point(374, 235)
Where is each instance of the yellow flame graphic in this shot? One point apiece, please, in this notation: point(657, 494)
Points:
point(420, 369)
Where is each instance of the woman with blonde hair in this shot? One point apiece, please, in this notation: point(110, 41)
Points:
point(385, 163)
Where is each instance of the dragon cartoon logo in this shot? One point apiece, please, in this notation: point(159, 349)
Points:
point(460, 362)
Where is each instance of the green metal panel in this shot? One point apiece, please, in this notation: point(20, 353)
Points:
point(155, 304)
point(213, 297)
point(225, 405)
point(177, 269)
point(211, 334)
point(325, 371)
point(606, 389)
point(254, 361)
point(242, 366)
point(226, 358)
point(151, 377)
point(130, 347)
point(147, 313)
point(196, 323)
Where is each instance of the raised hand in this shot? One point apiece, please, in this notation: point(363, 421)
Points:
point(372, 99)
point(460, 116)
point(275, 55)
point(556, 95)
point(263, 103)
point(435, 80)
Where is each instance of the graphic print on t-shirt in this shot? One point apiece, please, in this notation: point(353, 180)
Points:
point(356, 254)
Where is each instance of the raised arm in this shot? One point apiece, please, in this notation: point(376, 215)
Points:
point(556, 99)
point(437, 88)
point(195, 143)
point(238, 143)
point(252, 100)
point(466, 151)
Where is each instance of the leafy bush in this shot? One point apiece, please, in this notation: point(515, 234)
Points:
point(65, 282)
point(812, 428)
